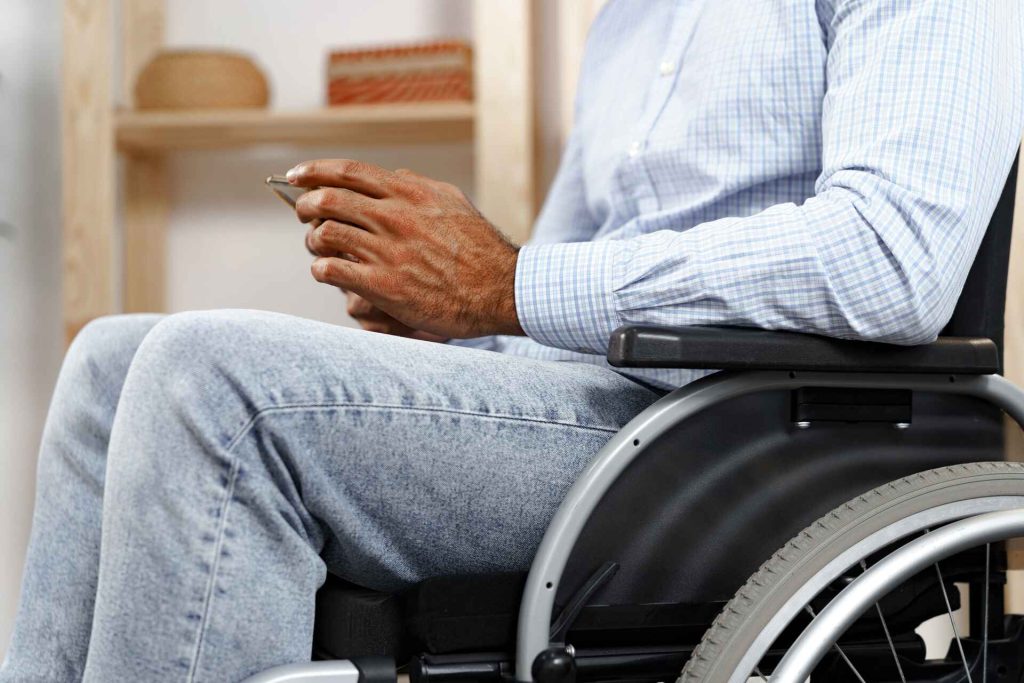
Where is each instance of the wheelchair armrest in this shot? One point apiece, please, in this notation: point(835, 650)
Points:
point(736, 348)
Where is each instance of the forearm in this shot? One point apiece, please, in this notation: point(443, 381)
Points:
point(863, 259)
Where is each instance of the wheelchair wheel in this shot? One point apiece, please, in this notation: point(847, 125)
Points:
point(845, 563)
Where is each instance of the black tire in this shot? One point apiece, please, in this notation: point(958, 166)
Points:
point(749, 612)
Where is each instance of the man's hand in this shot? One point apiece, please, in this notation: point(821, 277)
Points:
point(422, 253)
point(372, 319)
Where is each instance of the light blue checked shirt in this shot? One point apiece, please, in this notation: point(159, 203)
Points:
point(824, 166)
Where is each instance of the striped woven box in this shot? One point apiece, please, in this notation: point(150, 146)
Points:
point(413, 73)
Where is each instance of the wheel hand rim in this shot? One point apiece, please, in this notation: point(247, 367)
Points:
point(888, 636)
point(869, 587)
point(904, 528)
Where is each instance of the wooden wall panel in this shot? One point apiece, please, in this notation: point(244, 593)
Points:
point(1013, 362)
point(88, 163)
point(145, 215)
point(505, 119)
point(145, 210)
point(142, 34)
point(1014, 335)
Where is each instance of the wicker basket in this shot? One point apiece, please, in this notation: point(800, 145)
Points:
point(437, 71)
point(200, 79)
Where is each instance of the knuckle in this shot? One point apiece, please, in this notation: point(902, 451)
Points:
point(415, 192)
point(314, 245)
point(326, 233)
point(331, 269)
point(324, 270)
point(322, 199)
point(338, 234)
point(379, 212)
point(349, 167)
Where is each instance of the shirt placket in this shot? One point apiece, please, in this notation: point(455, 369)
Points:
point(642, 188)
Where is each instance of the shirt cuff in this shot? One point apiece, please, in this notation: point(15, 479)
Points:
point(565, 294)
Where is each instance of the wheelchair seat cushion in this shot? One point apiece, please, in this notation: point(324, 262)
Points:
point(464, 613)
point(440, 615)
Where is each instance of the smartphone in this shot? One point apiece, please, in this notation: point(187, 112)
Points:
point(288, 193)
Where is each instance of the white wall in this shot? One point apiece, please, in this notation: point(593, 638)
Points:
point(30, 329)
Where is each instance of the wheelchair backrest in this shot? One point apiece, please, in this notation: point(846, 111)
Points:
point(979, 310)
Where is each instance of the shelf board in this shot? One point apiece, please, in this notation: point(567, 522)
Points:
point(376, 124)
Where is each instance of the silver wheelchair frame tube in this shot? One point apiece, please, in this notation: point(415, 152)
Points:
point(338, 671)
point(568, 522)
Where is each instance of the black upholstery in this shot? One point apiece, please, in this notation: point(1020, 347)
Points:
point(973, 345)
point(440, 615)
point(980, 309)
point(734, 348)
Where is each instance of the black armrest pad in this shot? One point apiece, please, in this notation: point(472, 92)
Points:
point(736, 348)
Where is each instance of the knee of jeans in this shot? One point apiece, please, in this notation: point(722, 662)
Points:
point(191, 357)
point(103, 349)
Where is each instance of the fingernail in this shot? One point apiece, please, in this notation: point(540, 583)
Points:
point(291, 174)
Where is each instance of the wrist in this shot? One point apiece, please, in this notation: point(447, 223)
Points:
point(506, 318)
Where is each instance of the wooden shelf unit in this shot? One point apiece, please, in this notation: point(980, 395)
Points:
point(378, 124)
point(500, 123)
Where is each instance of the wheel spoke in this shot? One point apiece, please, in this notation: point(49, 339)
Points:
point(838, 649)
point(984, 627)
point(757, 672)
point(888, 636)
point(952, 622)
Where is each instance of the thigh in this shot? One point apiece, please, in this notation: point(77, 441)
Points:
point(414, 458)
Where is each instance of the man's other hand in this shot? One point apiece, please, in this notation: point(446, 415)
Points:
point(372, 319)
point(422, 252)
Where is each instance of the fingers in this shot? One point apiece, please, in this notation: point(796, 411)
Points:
point(332, 238)
point(372, 319)
point(339, 272)
point(357, 176)
point(361, 309)
point(341, 205)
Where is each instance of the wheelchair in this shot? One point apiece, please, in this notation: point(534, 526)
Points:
point(796, 516)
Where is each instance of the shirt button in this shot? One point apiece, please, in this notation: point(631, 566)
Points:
point(667, 68)
point(634, 148)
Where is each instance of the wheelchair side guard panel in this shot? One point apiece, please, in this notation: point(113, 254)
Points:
point(568, 523)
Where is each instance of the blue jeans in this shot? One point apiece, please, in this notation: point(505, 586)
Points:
point(200, 473)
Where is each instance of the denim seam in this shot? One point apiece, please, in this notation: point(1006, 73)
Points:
point(214, 565)
point(235, 463)
point(385, 406)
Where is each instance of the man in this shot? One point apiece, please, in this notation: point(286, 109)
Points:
point(825, 166)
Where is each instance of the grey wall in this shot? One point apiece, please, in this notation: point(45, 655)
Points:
point(30, 330)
